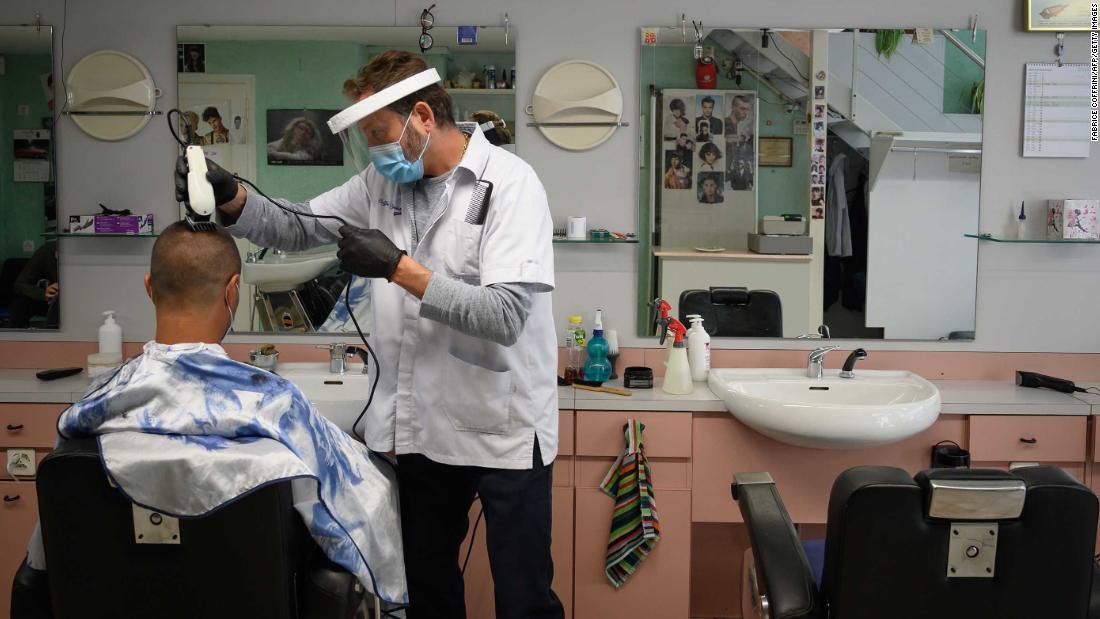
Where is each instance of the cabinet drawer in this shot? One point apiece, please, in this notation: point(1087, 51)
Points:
point(17, 519)
point(565, 433)
point(29, 425)
point(1027, 438)
point(666, 435)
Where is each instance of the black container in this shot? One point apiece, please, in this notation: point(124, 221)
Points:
point(638, 377)
point(948, 455)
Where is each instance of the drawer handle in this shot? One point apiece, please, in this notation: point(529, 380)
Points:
point(10, 499)
point(15, 427)
point(1029, 441)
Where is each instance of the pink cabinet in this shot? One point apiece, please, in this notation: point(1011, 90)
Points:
point(18, 515)
point(659, 588)
point(998, 440)
point(479, 578)
point(724, 446)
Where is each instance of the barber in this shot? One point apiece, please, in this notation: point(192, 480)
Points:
point(461, 321)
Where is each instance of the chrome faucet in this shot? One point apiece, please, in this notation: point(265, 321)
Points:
point(813, 363)
point(822, 334)
point(338, 353)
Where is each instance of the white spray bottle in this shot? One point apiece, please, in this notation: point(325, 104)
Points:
point(677, 372)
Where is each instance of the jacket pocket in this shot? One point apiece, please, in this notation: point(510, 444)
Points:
point(477, 399)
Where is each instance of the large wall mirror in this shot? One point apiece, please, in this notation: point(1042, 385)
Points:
point(29, 287)
point(800, 178)
point(257, 99)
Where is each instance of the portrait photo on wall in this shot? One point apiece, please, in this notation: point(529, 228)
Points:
point(677, 119)
point(819, 92)
point(677, 170)
point(710, 115)
point(190, 58)
point(300, 137)
point(740, 126)
point(710, 188)
point(710, 158)
point(819, 111)
point(740, 172)
point(817, 201)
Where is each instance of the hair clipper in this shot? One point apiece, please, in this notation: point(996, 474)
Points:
point(200, 193)
point(1037, 380)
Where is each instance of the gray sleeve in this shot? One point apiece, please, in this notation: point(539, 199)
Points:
point(267, 225)
point(496, 312)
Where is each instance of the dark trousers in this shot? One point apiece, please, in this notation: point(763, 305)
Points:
point(435, 504)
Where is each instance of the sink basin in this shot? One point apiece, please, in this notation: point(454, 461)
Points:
point(338, 397)
point(875, 408)
point(281, 272)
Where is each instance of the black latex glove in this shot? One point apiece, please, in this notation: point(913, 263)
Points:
point(368, 253)
point(225, 186)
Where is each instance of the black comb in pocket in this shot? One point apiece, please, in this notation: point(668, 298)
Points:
point(479, 202)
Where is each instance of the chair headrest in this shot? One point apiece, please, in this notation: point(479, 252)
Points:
point(729, 296)
point(972, 494)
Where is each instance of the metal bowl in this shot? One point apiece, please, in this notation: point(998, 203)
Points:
point(262, 361)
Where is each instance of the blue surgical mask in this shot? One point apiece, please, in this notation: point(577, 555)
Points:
point(389, 159)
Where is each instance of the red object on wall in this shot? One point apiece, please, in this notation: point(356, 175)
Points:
point(706, 74)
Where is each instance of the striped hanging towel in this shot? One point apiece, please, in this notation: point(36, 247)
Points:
point(635, 528)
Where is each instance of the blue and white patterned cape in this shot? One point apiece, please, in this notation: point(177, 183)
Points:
point(339, 320)
point(185, 412)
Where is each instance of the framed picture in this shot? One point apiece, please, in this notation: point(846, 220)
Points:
point(190, 58)
point(1059, 15)
point(775, 152)
point(299, 137)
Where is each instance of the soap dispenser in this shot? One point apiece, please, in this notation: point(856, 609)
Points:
point(698, 348)
point(677, 372)
point(110, 335)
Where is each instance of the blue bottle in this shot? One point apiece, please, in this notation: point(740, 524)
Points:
point(597, 368)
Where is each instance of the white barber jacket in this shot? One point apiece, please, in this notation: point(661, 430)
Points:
point(452, 397)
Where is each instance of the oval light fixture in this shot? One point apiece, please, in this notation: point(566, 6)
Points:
point(110, 95)
point(577, 105)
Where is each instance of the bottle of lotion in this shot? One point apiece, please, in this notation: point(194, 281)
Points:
point(677, 372)
point(698, 348)
point(110, 334)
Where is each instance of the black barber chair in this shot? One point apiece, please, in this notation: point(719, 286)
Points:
point(108, 558)
point(734, 312)
point(952, 543)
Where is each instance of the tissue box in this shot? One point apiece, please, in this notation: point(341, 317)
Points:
point(1073, 219)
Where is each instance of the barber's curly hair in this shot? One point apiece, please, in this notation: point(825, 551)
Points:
point(388, 68)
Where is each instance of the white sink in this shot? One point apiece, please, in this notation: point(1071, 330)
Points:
point(281, 272)
point(338, 397)
point(875, 408)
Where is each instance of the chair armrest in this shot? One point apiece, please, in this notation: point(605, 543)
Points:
point(329, 592)
point(781, 564)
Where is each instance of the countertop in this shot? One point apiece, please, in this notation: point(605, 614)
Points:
point(958, 397)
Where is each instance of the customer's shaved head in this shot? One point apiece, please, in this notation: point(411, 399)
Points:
point(191, 269)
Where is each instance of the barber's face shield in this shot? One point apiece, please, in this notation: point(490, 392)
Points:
point(364, 147)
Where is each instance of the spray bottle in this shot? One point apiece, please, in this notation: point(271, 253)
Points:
point(597, 368)
point(660, 316)
point(677, 372)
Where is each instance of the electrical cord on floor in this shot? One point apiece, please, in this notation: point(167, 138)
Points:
point(347, 289)
point(473, 536)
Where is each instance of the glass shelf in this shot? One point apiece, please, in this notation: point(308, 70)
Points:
point(72, 235)
point(560, 240)
point(990, 237)
point(481, 91)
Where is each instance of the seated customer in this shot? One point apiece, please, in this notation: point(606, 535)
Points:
point(183, 410)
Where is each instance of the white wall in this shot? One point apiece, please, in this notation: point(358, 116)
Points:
point(920, 267)
point(1029, 298)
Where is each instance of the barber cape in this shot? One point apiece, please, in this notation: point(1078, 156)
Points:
point(188, 412)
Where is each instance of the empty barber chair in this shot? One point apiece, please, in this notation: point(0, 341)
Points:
point(107, 557)
point(951, 543)
point(735, 312)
